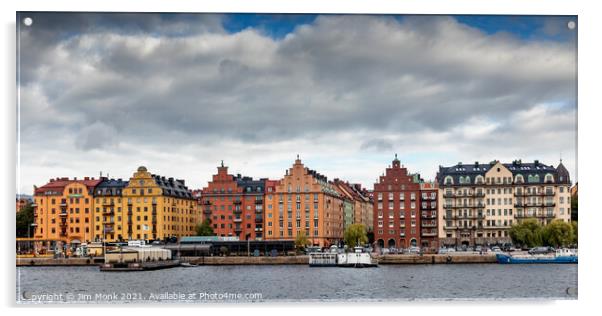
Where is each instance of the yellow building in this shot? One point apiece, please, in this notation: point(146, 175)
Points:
point(148, 207)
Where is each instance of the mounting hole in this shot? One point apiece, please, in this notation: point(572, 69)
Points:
point(28, 21)
point(571, 25)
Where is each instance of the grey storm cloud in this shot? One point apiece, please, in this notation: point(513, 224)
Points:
point(167, 80)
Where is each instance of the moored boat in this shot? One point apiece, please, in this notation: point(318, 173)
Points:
point(359, 258)
point(560, 256)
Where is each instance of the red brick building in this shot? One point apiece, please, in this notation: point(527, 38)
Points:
point(234, 205)
point(398, 207)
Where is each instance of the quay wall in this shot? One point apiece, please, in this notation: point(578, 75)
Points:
point(281, 260)
point(57, 262)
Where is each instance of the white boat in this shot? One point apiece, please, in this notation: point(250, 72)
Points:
point(322, 259)
point(359, 258)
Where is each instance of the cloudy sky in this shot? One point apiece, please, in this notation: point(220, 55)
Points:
point(178, 93)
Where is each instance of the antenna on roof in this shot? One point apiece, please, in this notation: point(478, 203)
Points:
point(561, 157)
point(101, 173)
point(222, 163)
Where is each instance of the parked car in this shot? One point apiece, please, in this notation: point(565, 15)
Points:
point(442, 250)
point(478, 249)
point(496, 249)
point(451, 249)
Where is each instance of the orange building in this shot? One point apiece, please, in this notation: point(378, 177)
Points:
point(305, 201)
point(63, 210)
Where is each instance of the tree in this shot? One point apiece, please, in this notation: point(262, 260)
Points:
point(24, 221)
point(575, 232)
point(527, 233)
point(355, 235)
point(301, 240)
point(558, 233)
point(204, 229)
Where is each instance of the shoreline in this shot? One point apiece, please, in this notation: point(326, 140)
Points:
point(281, 260)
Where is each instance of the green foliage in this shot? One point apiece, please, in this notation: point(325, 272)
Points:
point(24, 220)
point(575, 232)
point(531, 233)
point(355, 233)
point(558, 234)
point(527, 233)
point(204, 229)
point(301, 240)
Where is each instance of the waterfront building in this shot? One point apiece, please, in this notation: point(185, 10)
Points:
point(429, 221)
point(348, 202)
point(480, 202)
point(234, 205)
point(153, 208)
point(110, 218)
point(362, 205)
point(398, 209)
point(304, 200)
point(63, 210)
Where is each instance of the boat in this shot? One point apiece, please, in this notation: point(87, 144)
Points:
point(559, 256)
point(359, 258)
point(188, 265)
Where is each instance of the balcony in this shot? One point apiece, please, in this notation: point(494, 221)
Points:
point(429, 224)
point(108, 203)
point(237, 219)
point(108, 212)
point(63, 204)
point(258, 219)
point(238, 229)
point(448, 195)
point(549, 193)
point(111, 223)
point(237, 211)
point(63, 214)
point(549, 204)
point(426, 215)
point(207, 211)
point(428, 233)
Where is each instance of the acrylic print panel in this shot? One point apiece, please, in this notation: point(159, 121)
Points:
point(266, 157)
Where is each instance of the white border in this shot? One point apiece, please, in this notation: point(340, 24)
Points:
point(589, 27)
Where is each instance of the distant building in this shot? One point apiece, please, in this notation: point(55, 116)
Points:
point(304, 200)
point(480, 202)
point(234, 205)
point(22, 202)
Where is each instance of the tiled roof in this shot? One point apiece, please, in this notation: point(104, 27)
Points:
point(173, 187)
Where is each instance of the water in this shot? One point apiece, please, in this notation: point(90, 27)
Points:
point(294, 283)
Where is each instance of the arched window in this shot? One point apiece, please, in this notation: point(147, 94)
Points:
point(467, 180)
point(549, 178)
point(519, 178)
point(479, 179)
point(449, 180)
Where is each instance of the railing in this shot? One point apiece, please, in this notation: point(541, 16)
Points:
point(427, 224)
point(237, 219)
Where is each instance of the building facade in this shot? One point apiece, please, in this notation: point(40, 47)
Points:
point(429, 220)
point(398, 209)
point(153, 207)
point(304, 201)
point(63, 210)
point(234, 205)
point(362, 204)
point(480, 202)
point(22, 202)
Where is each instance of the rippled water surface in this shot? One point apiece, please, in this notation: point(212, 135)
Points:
point(293, 282)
